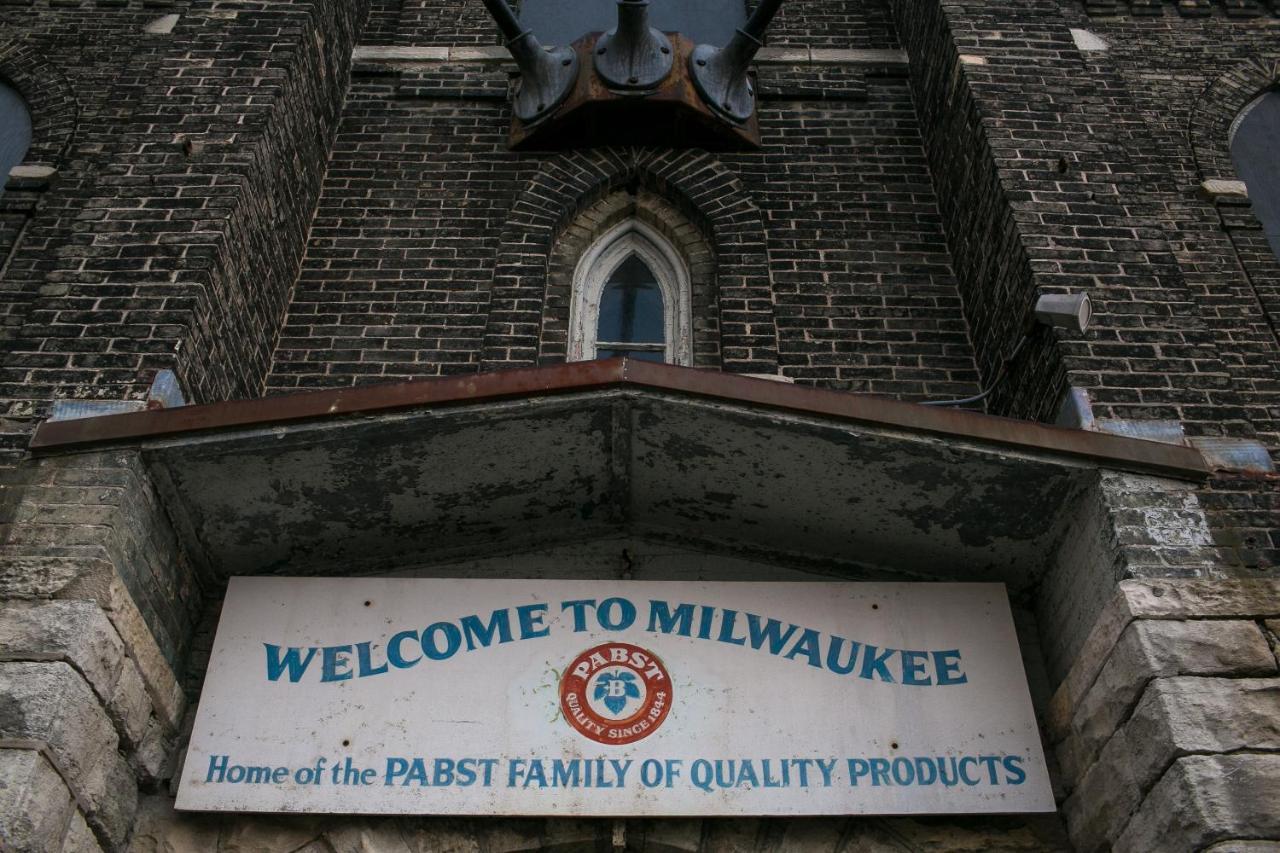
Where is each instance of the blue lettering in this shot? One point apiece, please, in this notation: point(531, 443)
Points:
point(1013, 769)
point(662, 619)
point(530, 617)
point(947, 666)
point(452, 640)
point(217, 765)
point(565, 773)
point(625, 617)
point(395, 767)
point(334, 657)
point(913, 668)
point(365, 656)
point(394, 653)
point(726, 630)
point(807, 645)
point(872, 661)
point(292, 659)
point(579, 608)
point(833, 655)
point(479, 633)
point(771, 632)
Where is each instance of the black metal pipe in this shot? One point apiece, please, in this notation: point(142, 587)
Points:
point(505, 17)
point(749, 38)
point(761, 18)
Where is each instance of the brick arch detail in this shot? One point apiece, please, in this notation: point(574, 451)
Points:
point(1222, 100)
point(595, 221)
point(50, 99)
point(704, 191)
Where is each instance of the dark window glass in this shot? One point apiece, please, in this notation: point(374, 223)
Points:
point(15, 131)
point(631, 310)
point(563, 21)
point(1254, 151)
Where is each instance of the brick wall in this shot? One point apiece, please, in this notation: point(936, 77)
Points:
point(171, 234)
point(846, 281)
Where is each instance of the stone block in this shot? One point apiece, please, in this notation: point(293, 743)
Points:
point(130, 705)
point(110, 800)
point(1154, 599)
point(74, 631)
point(1179, 716)
point(388, 53)
point(783, 55)
point(481, 53)
point(1176, 717)
point(166, 694)
point(1214, 188)
point(1203, 799)
point(151, 760)
point(79, 633)
point(1273, 636)
point(94, 579)
point(1157, 648)
point(269, 834)
point(36, 577)
point(80, 838)
point(49, 703)
point(35, 805)
point(161, 829)
point(358, 836)
point(1191, 599)
point(1244, 847)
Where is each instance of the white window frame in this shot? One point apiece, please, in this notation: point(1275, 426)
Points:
point(600, 262)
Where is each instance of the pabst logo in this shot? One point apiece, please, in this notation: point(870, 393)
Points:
point(616, 693)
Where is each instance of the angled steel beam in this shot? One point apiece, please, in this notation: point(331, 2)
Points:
point(547, 75)
point(720, 73)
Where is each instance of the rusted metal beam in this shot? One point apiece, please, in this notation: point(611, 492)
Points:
point(585, 376)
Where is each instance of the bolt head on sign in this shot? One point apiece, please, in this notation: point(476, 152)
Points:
point(615, 693)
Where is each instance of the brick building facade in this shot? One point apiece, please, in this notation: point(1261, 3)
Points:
point(273, 203)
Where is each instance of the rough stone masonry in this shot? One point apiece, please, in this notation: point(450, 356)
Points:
point(265, 197)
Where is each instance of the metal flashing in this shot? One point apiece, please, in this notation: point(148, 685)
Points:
point(1107, 450)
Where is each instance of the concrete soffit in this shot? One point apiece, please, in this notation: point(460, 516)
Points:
point(372, 479)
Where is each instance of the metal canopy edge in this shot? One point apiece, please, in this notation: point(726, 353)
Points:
point(1108, 450)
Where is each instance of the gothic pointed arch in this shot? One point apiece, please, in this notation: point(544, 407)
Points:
point(703, 200)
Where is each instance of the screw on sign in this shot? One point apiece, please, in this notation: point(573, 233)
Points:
point(616, 693)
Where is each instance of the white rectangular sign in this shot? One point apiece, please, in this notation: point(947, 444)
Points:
point(614, 698)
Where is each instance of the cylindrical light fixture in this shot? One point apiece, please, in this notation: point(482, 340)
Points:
point(1065, 310)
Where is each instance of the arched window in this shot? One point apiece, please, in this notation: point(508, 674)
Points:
point(630, 297)
point(15, 131)
point(1253, 151)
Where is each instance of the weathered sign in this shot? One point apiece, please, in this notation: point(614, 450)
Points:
point(411, 696)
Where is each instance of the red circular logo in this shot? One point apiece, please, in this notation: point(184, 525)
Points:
point(615, 693)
